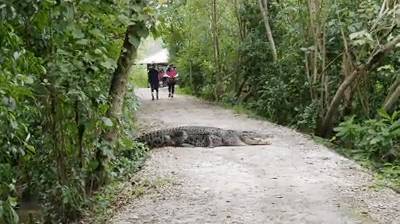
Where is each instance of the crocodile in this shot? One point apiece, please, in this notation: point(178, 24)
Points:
point(200, 136)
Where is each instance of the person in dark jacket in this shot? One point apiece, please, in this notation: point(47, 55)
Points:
point(153, 81)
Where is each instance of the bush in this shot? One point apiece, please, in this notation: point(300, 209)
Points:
point(374, 139)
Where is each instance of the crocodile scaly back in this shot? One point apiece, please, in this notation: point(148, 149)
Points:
point(201, 136)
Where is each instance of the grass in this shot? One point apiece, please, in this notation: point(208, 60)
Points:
point(183, 91)
point(138, 77)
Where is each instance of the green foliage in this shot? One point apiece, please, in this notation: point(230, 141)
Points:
point(281, 91)
point(139, 76)
point(307, 118)
point(375, 139)
point(57, 57)
point(248, 72)
point(56, 61)
point(374, 142)
point(317, 49)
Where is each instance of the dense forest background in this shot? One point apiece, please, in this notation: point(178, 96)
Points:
point(330, 68)
point(290, 60)
point(324, 67)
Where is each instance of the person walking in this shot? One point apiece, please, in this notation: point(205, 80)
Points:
point(153, 81)
point(172, 74)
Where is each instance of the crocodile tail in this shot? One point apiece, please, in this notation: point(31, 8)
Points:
point(147, 139)
point(156, 139)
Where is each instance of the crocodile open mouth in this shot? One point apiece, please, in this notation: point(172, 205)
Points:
point(253, 138)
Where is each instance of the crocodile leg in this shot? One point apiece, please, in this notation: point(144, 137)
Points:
point(214, 141)
point(180, 137)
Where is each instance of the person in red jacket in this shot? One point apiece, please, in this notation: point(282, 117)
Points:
point(172, 74)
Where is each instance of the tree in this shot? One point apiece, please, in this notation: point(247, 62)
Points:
point(216, 49)
point(372, 63)
point(265, 14)
point(135, 32)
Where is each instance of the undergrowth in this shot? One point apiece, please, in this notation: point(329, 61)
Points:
point(374, 143)
point(119, 194)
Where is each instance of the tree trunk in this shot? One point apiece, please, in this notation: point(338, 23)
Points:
point(317, 57)
point(392, 88)
point(241, 86)
point(347, 69)
point(265, 14)
point(215, 34)
point(117, 94)
point(192, 86)
point(80, 131)
point(240, 22)
point(392, 99)
point(242, 34)
point(120, 77)
point(373, 61)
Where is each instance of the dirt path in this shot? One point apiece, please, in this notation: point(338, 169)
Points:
point(294, 180)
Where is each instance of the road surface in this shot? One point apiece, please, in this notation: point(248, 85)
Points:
point(294, 180)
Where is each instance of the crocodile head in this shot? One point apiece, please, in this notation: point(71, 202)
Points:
point(253, 138)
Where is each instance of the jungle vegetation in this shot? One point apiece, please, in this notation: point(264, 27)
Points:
point(330, 68)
